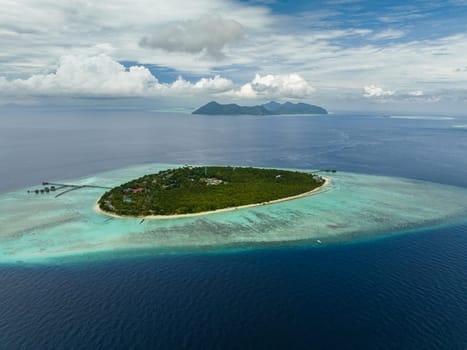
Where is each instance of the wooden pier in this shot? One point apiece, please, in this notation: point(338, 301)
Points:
point(65, 187)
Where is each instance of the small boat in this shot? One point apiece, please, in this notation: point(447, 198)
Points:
point(318, 241)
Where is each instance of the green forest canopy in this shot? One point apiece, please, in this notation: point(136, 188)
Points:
point(198, 189)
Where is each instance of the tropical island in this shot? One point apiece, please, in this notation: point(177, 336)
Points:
point(193, 190)
point(270, 108)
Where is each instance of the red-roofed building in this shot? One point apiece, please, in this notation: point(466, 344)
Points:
point(138, 190)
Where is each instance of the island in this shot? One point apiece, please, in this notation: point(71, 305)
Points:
point(345, 207)
point(192, 190)
point(270, 108)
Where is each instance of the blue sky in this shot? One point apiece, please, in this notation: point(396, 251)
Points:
point(343, 54)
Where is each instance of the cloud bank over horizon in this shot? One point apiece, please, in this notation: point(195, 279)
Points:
point(336, 53)
point(101, 76)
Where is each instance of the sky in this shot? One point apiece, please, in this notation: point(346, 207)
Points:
point(341, 54)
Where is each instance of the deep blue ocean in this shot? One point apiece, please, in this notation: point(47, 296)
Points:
point(405, 291)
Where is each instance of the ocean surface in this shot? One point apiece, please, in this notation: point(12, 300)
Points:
point(403, 291)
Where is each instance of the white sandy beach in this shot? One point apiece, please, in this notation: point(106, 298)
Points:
point(178, 216)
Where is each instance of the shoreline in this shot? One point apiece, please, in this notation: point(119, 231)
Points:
point(179, 216)
point(303, 221)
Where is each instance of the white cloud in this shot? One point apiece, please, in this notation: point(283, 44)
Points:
point(388, 34)
point(280, 86)
point(209, 35)
point(34, 33)
point(213, 85)
point(79, 75)
point(101, 76)
point(404, 96)
point(376, 91)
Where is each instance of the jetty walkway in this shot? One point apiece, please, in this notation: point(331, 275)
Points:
point(53, 187)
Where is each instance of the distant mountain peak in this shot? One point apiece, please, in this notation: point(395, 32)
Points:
point(270, 108)
point(272, 105)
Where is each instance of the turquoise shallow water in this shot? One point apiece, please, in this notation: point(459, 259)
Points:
point(38, 228)
point(406, 290)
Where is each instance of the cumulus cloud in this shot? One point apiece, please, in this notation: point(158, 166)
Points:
point(206, 85)
point(373, 91)
point(80, 75)
point(416, 93)
point(102, 76)
point(209, 35)
point(270, 86)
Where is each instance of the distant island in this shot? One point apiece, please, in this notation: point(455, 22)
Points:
point(270, 108)
point(190, 190)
